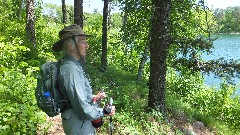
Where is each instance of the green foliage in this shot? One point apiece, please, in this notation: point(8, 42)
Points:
point(118, 53)
point(19, 66)
point(19, 112)
point(115, 21)
point(93, 26)
point(190, 27)
point(134, 34)
point(53, 13)
point(130, 100)
point(13, 58)
point(184, 83)
point(18, 105)
point(10, 30)
point(47, 35)
point(218, 104)
point(12, 10)
point(228, 19)
point(205, 104)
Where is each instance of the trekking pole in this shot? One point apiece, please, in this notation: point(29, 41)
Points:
point(111, 126)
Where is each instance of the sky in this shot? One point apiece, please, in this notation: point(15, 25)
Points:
point(213, 4)
point(90, 5)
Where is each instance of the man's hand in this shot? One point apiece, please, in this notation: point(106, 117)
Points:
point(101, 95)
point(112, 108)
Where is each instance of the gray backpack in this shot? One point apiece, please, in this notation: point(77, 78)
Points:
point(48, 95)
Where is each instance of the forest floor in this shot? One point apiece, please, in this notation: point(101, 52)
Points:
point(179, 122)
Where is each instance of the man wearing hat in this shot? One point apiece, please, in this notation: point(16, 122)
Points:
point(75, 85)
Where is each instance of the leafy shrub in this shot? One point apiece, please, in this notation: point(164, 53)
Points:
point(183, 84)
point(218, 105)
point(19, 113)
point(11, 54)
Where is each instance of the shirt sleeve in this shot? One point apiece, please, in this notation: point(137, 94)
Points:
point(80, 94)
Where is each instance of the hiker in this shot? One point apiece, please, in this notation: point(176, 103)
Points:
point(75, 85)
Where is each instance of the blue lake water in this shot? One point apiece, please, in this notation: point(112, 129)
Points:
point(227, 46)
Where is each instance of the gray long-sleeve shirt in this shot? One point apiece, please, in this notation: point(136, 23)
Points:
point(77, 87)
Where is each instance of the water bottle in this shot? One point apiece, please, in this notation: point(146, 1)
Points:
point(47, 95)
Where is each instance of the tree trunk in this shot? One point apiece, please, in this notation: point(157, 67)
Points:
point(104, 37)
point(30, 28)
point(22, 9)
point(64, 11)
point(159, 43)
point(78, 12)
point(78, 19)
point(125, 16)
point(142, 62)
point(109, 15)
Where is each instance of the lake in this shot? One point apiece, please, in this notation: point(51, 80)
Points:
point(227, 46)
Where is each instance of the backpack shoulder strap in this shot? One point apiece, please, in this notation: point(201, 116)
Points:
point(58, 70)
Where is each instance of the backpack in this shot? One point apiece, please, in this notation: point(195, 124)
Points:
point(48, 95)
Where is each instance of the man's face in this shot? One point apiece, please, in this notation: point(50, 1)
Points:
point(82, 45)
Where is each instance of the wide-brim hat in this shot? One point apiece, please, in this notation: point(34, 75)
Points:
point(68, 32)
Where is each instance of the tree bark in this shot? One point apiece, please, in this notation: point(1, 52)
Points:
point(21, 9)
point(159, 43)
point(109, 14)
point(30, 27)
point(64, 11)
point(78, 12)
point(142, 62)
point(104, 37)
point(125, 17)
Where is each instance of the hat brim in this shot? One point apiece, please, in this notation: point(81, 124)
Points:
point(58, 45)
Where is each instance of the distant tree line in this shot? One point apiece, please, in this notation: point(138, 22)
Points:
point(228, 19)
